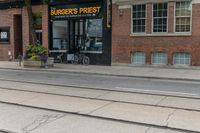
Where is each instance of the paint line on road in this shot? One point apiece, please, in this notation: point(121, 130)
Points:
point(158, 92)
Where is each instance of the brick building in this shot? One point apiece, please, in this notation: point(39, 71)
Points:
point(63, 27)
point(156, 32)
point(14, 31)
point(144, 32)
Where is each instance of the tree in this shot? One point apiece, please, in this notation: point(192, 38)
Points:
point(33, 39)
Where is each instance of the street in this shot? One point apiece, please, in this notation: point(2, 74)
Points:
point(51, 102)
point(100, 81)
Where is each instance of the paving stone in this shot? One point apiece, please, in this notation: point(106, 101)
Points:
point(64, 103)
point(135, 113)
point(133, 97)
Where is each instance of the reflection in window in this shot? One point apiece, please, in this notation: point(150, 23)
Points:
point(159, 58)
point(93, 41)
point(183, 16)
point(139, 18)
point(138, 58)
point(160, 17)
point(182, 58)
point(60, 35)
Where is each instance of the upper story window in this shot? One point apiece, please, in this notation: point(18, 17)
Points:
point(4, 34)
point(160, 17)
point(139, 18)
point(183, 16)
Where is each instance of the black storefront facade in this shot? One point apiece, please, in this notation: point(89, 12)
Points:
point(83, 25)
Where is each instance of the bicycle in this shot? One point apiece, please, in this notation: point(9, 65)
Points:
point(80, 58)
point(60, 58)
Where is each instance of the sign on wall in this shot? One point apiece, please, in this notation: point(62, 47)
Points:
point(4, 34)
point(75, 11)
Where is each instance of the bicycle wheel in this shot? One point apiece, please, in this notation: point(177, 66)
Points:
point(75, 60)
point(86, 60)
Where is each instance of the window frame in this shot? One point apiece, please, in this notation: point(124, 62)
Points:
point(138, 63)
point(144, 18)
point(167, 25)
point(5, 41)
point(182, 17)
point(190, 59)
point(152, 57)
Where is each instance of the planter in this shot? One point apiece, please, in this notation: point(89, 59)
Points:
point(33, 63)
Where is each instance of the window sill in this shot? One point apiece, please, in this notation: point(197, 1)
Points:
point(92, 52)
point(160, 34)
point(6, 43)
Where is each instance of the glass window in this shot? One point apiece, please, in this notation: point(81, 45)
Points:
point(39, 36)
point(60, 35)
point(139, 18)
point(94, 34)
point(138, 58)
point(183, 16)
point(159, 58)
point(182, 58)
point(4, 34)
point(160, 17)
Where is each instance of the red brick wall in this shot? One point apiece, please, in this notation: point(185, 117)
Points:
point(7, 20)
point(123, 44)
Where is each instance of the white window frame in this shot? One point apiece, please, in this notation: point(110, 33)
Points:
point(142, 18)
point(182, 16)
point(158, 63)
point(132, 19)
point(152, 30)
point(190, 58)
point(137, 63)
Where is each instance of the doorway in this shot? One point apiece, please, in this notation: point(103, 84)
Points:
point(18, 47)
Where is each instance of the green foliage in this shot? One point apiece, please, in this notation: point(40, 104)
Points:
point(36, 52)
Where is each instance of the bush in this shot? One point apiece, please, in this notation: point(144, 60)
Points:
point(36, 52)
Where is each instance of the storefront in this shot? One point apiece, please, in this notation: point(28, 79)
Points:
point(83, 25)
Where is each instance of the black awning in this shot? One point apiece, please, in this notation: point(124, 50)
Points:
point(6, 4)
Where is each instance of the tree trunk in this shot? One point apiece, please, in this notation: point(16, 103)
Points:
point(33, 39)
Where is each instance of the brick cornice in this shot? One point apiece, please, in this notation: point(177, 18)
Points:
point(131, 2)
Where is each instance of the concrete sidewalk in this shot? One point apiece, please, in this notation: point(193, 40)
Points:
point(190, 73)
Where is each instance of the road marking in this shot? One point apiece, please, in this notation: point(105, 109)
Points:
point(157, 91)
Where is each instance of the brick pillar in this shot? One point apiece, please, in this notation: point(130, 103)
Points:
point(171, 8)
point(149, 18)
point(45, 27)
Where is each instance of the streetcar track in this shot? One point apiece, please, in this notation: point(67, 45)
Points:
point(101, 99)
point(102, 118)
point(105, 89)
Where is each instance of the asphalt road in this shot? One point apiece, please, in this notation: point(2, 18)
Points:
point(99, 81)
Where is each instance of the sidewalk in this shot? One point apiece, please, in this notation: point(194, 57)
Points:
point(191, 74)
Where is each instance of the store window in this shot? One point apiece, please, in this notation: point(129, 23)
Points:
point(159, 58)
point(81, 34)
point(138, 58)
point(94, 34)
point(60, 35)
point(139, 18)
point(160, 17)
point(4, 34)
point(183, 16)
point(182, 58)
